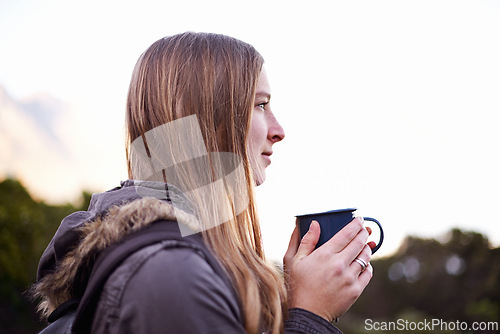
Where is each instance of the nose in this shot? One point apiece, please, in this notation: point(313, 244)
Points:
point(276, 132)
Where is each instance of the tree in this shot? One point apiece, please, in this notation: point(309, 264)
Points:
point(455, 280)
point(26, 227)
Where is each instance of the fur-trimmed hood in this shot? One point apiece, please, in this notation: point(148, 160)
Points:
point(66, 264)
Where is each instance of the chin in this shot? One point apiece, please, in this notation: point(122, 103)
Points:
point(259, 179)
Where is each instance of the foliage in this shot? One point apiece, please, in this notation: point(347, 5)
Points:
point(456, 280)
point(26, 227)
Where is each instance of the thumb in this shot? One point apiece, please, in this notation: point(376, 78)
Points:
point(309, 241)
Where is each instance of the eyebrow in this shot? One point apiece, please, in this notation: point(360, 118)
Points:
point(263, 94)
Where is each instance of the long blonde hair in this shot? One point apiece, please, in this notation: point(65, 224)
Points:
point(213, 77)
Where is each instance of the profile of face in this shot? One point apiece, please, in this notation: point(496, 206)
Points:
point(264, 130)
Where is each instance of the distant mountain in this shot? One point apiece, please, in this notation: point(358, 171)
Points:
point(46, 111)
point(34, 142)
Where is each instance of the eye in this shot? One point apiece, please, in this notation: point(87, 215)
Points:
point(263, 105)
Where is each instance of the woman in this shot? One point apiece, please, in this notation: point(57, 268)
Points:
point(200, 134)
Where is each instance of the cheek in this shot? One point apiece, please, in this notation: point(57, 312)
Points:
point(256, 141)
point(252, 144)
point(258, 134)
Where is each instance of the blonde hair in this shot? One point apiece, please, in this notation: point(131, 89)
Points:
point(213, 77)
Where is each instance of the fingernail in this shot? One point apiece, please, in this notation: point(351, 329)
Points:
point(312, 226)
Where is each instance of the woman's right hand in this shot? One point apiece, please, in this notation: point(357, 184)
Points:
point(327, 281)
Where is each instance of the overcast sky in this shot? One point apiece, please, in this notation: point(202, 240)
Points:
point(388, 106)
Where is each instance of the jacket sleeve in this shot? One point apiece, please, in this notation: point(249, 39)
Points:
point(305, 322)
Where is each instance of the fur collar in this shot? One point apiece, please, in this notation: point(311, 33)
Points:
point(69, 278)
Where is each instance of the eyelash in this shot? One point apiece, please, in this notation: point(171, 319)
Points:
point(263, 105)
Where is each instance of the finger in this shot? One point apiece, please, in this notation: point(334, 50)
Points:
point(364, 257)
point(372, 244)
point(365, 277)
point(352, 250)
point(344, 237)
point(293, 244)
point(309, 241)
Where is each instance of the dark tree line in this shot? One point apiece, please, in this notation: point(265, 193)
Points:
point(26, 227)
point(455, 280)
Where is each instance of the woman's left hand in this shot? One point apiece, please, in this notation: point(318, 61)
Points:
point(328, 280)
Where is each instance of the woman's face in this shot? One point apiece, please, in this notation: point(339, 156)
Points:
point(264, 130)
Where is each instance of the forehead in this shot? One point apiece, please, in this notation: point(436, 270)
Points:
point(263, 87)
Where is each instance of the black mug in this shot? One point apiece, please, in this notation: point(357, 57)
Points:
point(331, 222)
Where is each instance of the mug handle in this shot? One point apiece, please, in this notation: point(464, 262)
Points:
point(381, 233)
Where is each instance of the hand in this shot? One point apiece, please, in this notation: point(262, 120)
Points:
point(327, 281)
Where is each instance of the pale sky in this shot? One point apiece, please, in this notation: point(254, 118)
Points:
point(388, 106)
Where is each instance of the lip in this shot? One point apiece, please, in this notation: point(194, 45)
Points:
point(267, 156)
